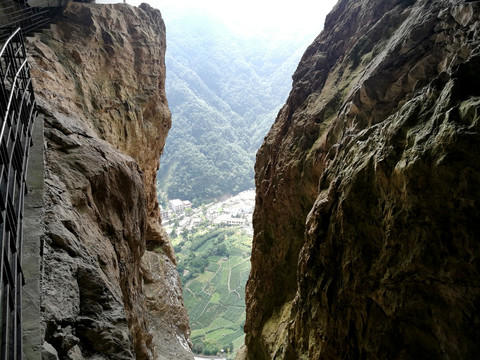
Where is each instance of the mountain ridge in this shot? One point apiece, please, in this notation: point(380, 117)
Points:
point(219, 88)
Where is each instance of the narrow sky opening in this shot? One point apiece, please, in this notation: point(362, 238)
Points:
point(254, 17)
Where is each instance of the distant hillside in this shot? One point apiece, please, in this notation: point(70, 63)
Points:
point(224, 92)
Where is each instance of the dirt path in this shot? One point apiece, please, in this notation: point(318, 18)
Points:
point(203, 289)
point(229, 288)
point(209, 281)
point(188, 289)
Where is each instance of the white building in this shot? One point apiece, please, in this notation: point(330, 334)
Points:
point(212, 214)
point(176, 206)
point(227, 219)
point(165, 214)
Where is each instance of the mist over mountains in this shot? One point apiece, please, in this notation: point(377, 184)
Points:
point(224, 91)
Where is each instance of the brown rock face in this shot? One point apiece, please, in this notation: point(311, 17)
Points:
point(99, 76)
point(366, 240)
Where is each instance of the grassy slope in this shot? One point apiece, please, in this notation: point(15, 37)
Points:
point(215, 298)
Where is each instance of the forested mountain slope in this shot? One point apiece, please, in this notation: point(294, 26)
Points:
point(224, 91)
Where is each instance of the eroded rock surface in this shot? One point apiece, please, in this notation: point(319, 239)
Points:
point(99, 76)
point(366, 241)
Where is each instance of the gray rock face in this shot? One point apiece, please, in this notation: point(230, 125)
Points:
point(99, 77)
point(49, 352)
point(366, 241)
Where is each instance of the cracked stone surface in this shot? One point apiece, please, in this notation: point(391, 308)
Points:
point(366, 242)
point(99, 76)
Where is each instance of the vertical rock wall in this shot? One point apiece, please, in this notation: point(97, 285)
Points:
point(367, 244)
point(109, 288)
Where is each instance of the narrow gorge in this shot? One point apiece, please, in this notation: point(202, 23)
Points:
point(366, 239)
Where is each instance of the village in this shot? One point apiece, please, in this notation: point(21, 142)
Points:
point(234, 211)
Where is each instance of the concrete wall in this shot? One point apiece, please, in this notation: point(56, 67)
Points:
point(33, 225)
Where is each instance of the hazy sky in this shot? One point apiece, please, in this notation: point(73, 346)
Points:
point(252, 16)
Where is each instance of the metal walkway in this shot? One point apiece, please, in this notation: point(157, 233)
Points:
point(29, 15)
point(17, 115)
point(18, 111)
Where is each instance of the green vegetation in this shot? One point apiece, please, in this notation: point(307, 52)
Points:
point(224, 91)
point(214, 264)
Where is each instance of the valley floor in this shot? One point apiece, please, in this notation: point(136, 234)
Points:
point(214, 264)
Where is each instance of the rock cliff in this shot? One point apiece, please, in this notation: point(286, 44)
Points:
point(109, 286)
point(366, 241)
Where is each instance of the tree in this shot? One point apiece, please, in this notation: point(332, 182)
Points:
point(221, 250)
point(198, 347)
point(229, 348)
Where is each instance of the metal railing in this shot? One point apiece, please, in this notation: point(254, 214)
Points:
point(18, 112)
point(27, 14)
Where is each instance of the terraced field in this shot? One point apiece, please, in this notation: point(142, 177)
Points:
point(215, 297)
